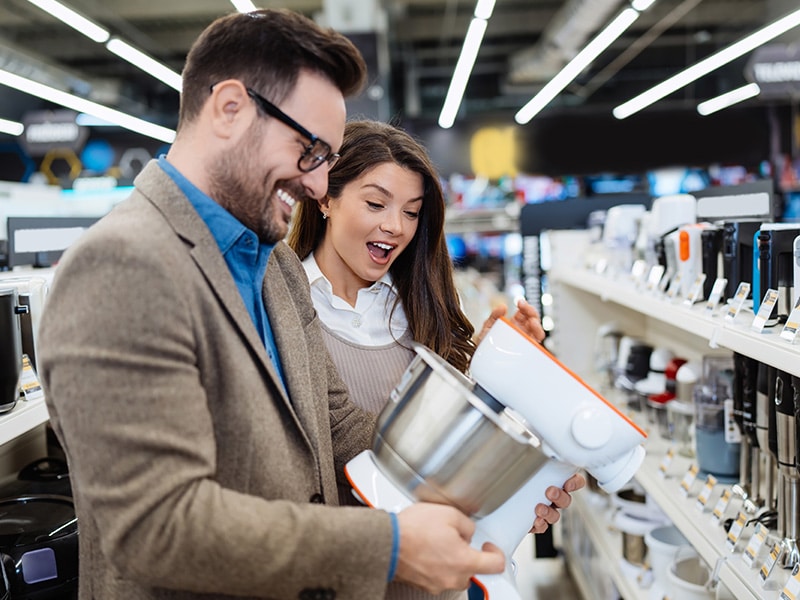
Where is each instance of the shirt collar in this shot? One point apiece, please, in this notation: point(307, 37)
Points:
point(225, 228)
point(316, 276)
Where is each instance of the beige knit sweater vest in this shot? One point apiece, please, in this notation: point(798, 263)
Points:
point(371, 373)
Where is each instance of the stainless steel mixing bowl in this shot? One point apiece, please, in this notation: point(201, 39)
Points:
point(439, 440)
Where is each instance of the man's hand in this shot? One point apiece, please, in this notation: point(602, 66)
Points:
point(435, 554)
point(560, 497)
point(526, 318)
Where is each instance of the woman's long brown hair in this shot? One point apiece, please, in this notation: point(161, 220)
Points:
point(423, 273)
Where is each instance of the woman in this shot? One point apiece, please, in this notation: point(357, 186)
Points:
point(381, 277)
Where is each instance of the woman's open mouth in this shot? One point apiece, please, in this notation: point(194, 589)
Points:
point(380, 250)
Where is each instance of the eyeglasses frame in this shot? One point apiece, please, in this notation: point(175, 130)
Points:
point(272, 110)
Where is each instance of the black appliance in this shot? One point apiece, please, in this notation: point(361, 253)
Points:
point(711, 244)
point(737, 254)
point(776, 265)
point(10, 348)
point(38, 534)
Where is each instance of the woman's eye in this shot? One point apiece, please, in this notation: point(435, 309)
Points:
point(411, 214)
point(375, 205)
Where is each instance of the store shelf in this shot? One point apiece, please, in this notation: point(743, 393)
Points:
point(24, 417)
point(706, 536)
point(735, 335)
point(482, 220)
point(607, 544)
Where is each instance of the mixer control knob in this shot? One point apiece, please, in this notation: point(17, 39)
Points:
point(591, 428)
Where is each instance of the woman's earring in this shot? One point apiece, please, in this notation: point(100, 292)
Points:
point(324, 216)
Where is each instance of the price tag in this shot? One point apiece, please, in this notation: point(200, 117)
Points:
point(721, 506)
point(715, 295)
point(29, 381)
point(666, 461)
point(735, 532)
point(765, 310)
point(674, 288)
point(654, 278)
point(688, 479)
point(737, 301)
point(769, 564)
point(792, 323)
point(705, 493)
point(792, 588)
point(696, 290)
point(755, 543)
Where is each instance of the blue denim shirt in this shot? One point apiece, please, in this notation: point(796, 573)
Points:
point(244, 254)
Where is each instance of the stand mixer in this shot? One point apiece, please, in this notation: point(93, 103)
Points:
point(490, 445)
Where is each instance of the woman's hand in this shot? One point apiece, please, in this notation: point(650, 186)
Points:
point(561, 498)
point(526, 318)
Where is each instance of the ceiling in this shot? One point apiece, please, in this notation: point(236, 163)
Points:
point(526, 42)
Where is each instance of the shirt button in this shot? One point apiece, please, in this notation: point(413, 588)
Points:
point(356, 322)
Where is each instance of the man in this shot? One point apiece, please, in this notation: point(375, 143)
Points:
point(185, 373)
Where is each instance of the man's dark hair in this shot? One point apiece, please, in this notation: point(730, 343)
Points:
point(266, 50)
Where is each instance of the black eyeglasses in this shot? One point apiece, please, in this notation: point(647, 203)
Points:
point(316, 153)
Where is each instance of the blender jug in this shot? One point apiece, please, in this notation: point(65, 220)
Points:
point(717, 436)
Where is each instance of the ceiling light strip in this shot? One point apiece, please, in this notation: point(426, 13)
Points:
point(11, 127)
point(69, 17)
point(117, 46)
point(576, 66)
point(466, 60)
point(243, 6)
point(705, 66)
point(751, 90)
point(144, 62)
point(76, 103)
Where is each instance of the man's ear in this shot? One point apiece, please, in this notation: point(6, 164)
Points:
point(230, 108)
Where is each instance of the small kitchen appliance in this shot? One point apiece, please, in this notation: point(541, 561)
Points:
point(11, 346)
point(490, 445)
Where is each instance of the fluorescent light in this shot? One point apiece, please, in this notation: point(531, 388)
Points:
point(576, 66)
point(147, 64)
point(484, 9)
point(73, 19)
point(466, 60)
point(751, 90)
point(91, 121)
point(705, 66)
point(76, 103)
point(243, 6)
point(11, 127)
point(642, 5)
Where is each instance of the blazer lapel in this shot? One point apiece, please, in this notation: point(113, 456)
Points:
point(163, 192)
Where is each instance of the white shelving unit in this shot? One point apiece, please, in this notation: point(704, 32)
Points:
point(24, 417)
point(583, 301)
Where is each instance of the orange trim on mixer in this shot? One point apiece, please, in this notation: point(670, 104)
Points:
point(541, 348)
point(355, 487)
point(480, 585)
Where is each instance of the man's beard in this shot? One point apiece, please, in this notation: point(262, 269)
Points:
point(234, 186)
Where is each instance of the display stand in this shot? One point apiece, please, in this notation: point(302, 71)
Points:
point(583, 300)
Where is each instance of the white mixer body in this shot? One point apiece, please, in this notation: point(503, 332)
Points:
point(575, 423)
